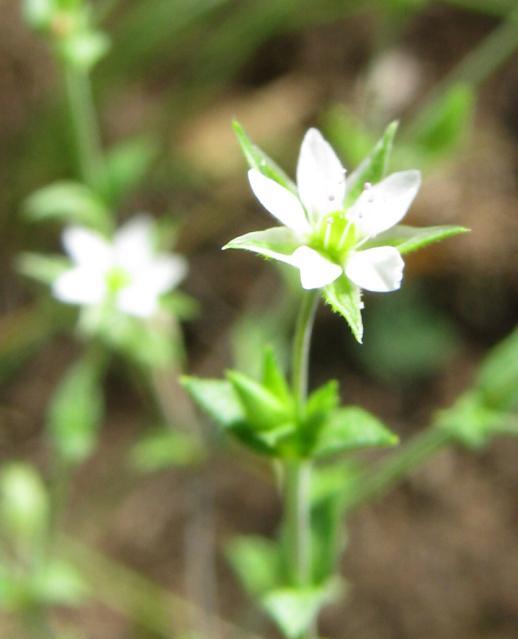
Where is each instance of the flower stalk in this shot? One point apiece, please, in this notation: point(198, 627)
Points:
point(297, 472)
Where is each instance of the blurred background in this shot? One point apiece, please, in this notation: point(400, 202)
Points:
point(438, 556)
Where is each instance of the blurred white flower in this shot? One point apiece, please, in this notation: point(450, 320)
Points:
point(126, 272)
point(327, 240)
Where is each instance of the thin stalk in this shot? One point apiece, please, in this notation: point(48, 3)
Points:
point(84, 123)
point(373, 483)
point(297, 472)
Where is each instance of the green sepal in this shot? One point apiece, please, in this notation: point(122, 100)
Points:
point(273, 379)
point(67, 201)
point(352, 428)
point(75, 411)
point(258, 159)
point(42, 268)
point(410, 238)
point(256, 562)
point(373, 168)
point(263, 409)
point(277, 243)
point(294, 610)
point(345, 298)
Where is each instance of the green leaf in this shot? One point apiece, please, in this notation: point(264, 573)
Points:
point(373, 168)
point(217, 398)
point(83, 49)
point(409, 238)
point(320, 404)
point(345, 298)
point(263, 410)
point(257, 159)
point(42, 268)
point(181, 305)
point(277, 243)
point(126, 164)
point(256, 562)
point(68, 202)
point(470, 422)
point(497, 380)
point(295, 609)
point(352, 428)
point(76, 410)
point(165, 449)
point(59, 583)
point(440, 128)
point(273, 378)
point(24, 503)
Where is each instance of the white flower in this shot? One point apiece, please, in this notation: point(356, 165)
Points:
point(127, 271)
point(329, 240)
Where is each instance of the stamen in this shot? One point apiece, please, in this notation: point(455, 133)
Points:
point(343, 239)
point(327, 235)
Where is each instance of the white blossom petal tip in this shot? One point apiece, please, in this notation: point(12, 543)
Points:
point(320, 176)
point(85, 246)
point(315, 270)
point(278, 201)
point(382, 206)
point(378, 269)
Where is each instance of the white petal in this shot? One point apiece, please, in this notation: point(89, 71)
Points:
point(163, 273)
point(378, 269)
point(320, 176)
point(138, 300)
point(133, 242)
point(279, 202)
point(315, 270)
point(81, 285)
point(383, 205)
point(87, 247)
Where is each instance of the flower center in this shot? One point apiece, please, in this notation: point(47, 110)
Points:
point(334, 236)
point(116, 279)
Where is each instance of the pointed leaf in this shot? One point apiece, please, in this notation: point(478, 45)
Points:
point(262, 408)
point(126, 165)
point(273, 378)
point(256, 562)
point(409, 238)
point(217, 398)
point(69, 202)
point(42, 268)
point(345, 298)
point(352, 428)
point(373, 168)
point(442, 125)
point(76, 409)
point(497, 380)
point(257, 159)
point(277, 243)
point(295, 609)
point(165, 448)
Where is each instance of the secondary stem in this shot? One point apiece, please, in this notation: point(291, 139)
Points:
point(84, 122)
point(297, 472)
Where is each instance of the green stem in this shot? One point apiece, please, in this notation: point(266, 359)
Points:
point(297, 472)
point(84, 122)
point(373, 483)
